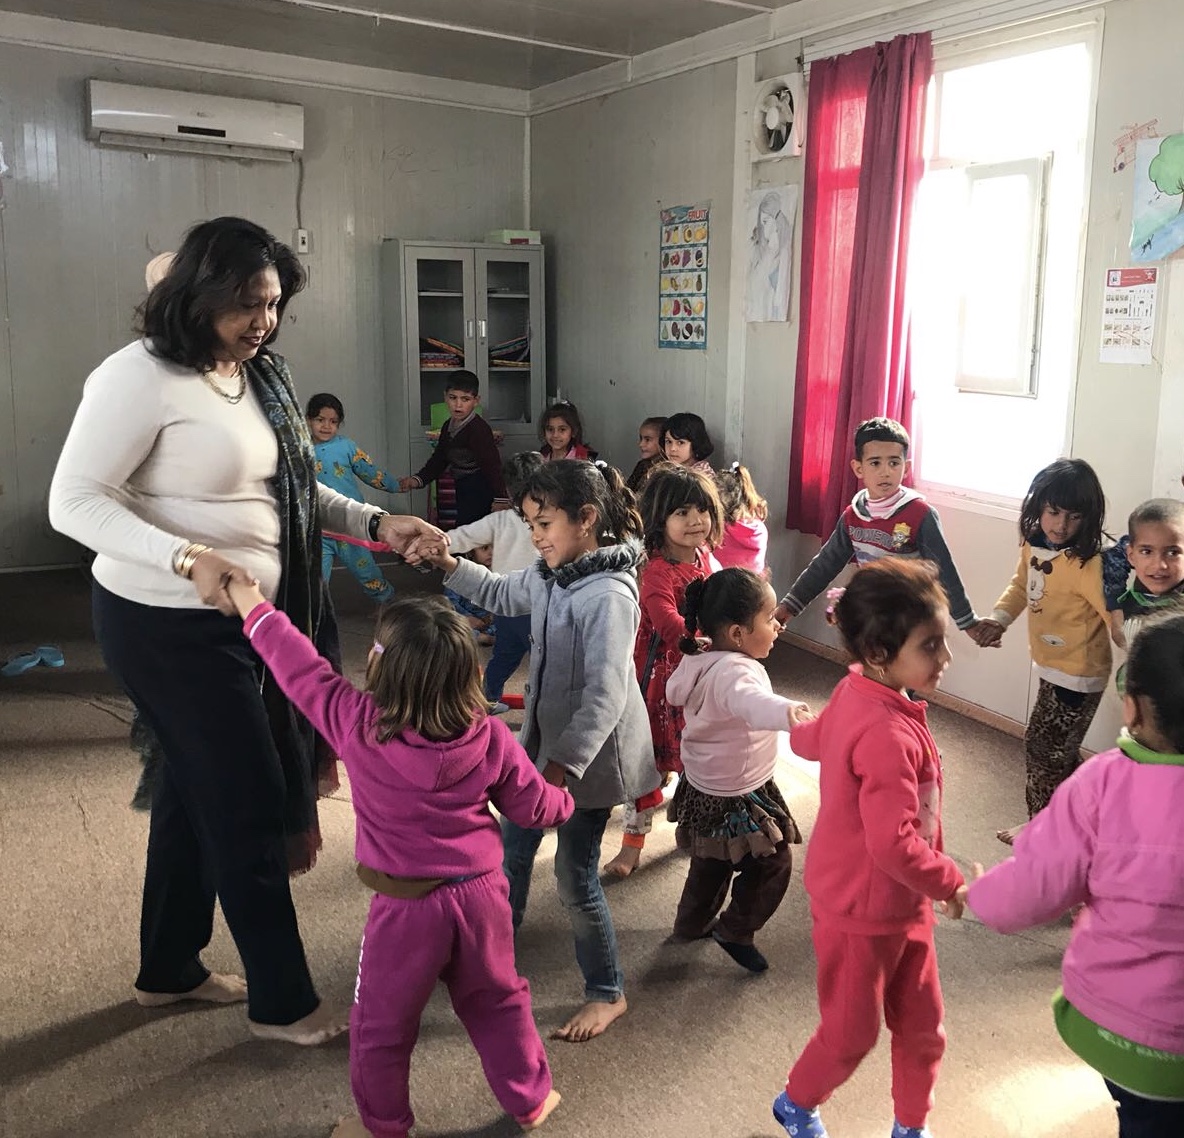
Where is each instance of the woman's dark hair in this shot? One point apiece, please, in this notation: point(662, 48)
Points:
point(427, 675)
point(519, 467)
point(322, 400)
point(1067, 484)
point(882, 604)
point(1155, 671)
point(569, 414)
point(571, 484)
point(209, 276)
point(731, 596)
point(670, 487)
point(738, 495)
point(688, 426)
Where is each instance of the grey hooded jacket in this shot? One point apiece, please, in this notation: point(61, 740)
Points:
point(584, 709)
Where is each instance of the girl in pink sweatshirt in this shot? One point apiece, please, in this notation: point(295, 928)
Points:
point(875, 864)
point(1111, 841)
point(425, 762)
point(746, 537)
point(731, 816)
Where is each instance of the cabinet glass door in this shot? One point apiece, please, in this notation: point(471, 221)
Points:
point(441, 319)
point(509, 295)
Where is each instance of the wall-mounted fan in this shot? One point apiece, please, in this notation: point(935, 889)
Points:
point(779, 117)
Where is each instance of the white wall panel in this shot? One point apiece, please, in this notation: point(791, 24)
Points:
point(79, 224)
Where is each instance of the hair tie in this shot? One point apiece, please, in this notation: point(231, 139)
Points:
point(600, 464)
point(735, 467)
point(377, 648)
point(834, 596)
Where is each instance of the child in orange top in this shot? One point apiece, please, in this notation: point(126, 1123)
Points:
point(683, 519)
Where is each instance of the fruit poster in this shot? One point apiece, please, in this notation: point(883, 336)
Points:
point(682, 280)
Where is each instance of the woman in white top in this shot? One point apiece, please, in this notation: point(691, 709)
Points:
point(188, 464)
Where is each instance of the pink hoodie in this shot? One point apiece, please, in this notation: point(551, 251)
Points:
point(422, 807)
point(744, 545)
point(729, 741)
point(1111, 839)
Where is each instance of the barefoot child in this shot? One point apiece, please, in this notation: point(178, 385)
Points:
point(1110, 840)
point(1059, 581)
point(875, 862)
point(425, 763)
point(731, 815)
point(682, 517)
point(585, 722)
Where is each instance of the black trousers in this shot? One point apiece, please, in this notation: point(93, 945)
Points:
point(217, 825)
point(759, 886)
point(1140, 1117)
point(474, 498)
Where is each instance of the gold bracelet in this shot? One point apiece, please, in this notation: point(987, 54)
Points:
point(183, 563)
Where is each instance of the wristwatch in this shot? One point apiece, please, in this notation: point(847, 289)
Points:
point(372, 524)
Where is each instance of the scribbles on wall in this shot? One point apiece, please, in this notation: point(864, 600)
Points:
point(1128, 316)
point(1157, 223)
point(1124, 144)
point(771, 211)
point(682, 279)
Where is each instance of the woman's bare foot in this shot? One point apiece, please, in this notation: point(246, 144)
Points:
point(319, 1026)
point(1008, 836)
point(351, 1127)
point(591, 1020)
point(549, 1104)
point(214, 989)
point(624, 863)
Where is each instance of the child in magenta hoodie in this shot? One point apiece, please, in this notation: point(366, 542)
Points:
point(1111, 841)
point(746, 537)
point(730, 813)
point(875, 863)
point(425, 762)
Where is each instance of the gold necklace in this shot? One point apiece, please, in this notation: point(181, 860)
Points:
point(212, 383)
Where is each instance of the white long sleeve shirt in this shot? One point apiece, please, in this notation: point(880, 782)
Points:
point(506, 532)
point(155, 460)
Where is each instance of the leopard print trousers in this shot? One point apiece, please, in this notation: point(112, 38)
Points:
point(1052, 743)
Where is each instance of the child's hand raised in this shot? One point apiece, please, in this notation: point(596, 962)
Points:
point(434, 551)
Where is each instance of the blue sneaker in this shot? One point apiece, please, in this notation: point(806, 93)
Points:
point(797, 1120)
point(899, 1131)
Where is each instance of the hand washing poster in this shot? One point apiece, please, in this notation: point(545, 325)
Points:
point(682, 278)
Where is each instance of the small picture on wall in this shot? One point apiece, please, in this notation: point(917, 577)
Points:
point(771, 211)
point(682, 277)
point(1157, 224)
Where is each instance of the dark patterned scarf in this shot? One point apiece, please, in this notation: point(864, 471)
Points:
point(308, 766)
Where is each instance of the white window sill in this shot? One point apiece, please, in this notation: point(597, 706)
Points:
point(943, 497)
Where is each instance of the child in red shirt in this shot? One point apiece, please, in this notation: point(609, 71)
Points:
point(875, 861)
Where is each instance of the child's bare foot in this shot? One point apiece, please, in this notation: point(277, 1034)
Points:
point(549, 1104)
point(214, 989)
point(1008, 836)
point(591, 1020)
point(624, 863)
point(319, 1026)
point(351, 1127)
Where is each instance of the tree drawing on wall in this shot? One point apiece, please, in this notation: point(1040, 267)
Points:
point(1167, 167)
point(1157, 213)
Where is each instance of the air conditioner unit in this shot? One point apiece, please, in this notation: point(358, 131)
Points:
point(147, 118)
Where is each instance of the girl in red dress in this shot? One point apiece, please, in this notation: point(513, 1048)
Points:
point(683, 521)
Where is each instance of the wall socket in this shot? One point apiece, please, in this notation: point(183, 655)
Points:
point(303, 241)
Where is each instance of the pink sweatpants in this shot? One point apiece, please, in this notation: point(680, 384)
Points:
point(857, 976)
point(462, 935)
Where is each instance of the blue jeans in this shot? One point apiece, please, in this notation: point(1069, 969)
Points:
point(577, 875)
point(511, 643)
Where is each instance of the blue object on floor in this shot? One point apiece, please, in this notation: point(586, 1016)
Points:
point(18, 665)
point(797, 1120)
point(899, 1131)
point(50, 656)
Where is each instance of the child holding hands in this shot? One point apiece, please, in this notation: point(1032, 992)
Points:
point(875, 861)
point(1110, 840)
point(425, 762)
point(585, 723)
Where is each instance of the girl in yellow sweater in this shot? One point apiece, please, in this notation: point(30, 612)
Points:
point(1059, 581)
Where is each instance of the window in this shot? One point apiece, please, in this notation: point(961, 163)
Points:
point(995, 262)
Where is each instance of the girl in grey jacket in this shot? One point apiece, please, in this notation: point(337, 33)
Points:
point(585, 723)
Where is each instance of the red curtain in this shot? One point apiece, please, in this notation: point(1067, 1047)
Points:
point(864, 160)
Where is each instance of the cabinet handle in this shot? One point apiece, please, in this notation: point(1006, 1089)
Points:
point(481, 329)
point(469, 329)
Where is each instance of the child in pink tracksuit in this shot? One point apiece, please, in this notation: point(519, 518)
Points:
point(875, 862)
point(425, 761)
point(1111, 840)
